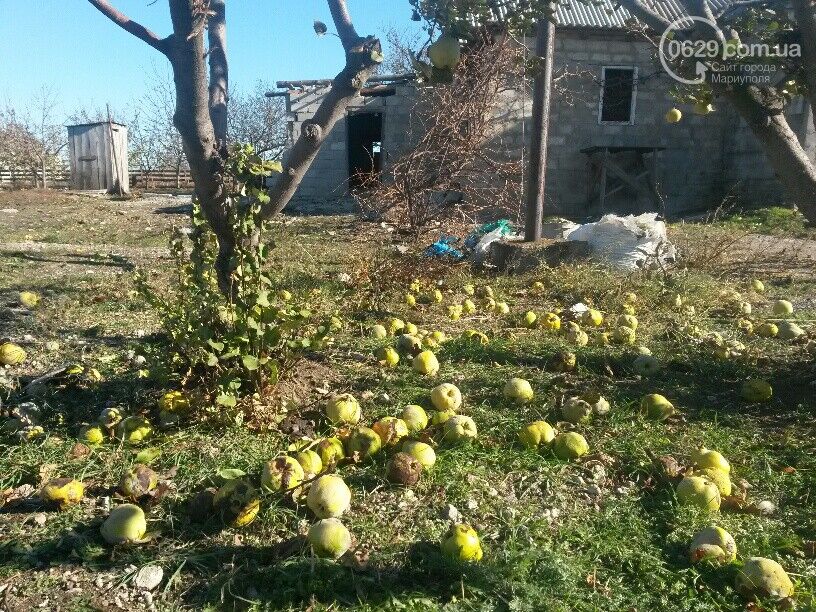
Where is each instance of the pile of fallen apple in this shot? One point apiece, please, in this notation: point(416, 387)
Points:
point(311, 470)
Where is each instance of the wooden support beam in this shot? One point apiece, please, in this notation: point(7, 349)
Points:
point(542, 94)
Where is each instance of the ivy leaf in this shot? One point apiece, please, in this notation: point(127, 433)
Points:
point(230, 473)
point(250, 362)
point(263, 299)
point(148, 456)
point(212, 360)
point(226, 400)
point(218, 346)
point(320, 28)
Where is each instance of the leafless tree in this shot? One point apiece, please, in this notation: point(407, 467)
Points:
point(33, 139)
point(158, 107)
point(144, 147)
point(202, 103)
point(462, 160)
point(258, 120)
point(402, 46)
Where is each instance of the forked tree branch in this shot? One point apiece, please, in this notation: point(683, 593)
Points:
point(342, 21)
point(219, 70)
point(127, 24)
point(363, 55)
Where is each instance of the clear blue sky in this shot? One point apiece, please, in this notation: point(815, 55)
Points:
point(89, 61)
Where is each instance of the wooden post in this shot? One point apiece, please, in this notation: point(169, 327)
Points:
point(604, 162)
point(542, 94)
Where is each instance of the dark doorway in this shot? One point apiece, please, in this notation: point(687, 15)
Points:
point(364, 147)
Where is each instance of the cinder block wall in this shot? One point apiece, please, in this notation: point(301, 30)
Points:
point(705, 158)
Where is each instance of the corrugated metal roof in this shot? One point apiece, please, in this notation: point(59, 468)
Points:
point(604, 14)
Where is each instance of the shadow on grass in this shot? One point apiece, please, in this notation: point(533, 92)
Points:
point(181, 209)
point(283, 575)
point(74, 259)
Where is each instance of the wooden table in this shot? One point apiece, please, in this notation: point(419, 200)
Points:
point(643, 181)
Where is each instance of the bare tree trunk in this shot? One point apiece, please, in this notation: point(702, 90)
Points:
point(44, 177)
point(201, 107)
point(363, 55)
point(192, 120)
point(219, 70)
point(785, 153)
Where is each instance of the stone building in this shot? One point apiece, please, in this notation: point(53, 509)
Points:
point(612, 118)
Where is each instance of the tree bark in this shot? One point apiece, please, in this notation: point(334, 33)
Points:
point(785, 153)
point(219, 71)
point(805, 13)
point(363, 55)
point(192, 120)
point(201, 106)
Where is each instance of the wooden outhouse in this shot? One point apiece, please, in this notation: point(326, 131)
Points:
point(98, 154)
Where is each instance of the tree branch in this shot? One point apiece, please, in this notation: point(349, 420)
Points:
point(127, 24)
point(639, 9)
point(363, 55)
point(342, 21)
point(806, 18)
point(219, 70)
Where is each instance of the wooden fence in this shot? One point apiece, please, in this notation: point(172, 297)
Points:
point(141, 179)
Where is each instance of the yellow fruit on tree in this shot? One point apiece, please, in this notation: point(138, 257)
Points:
point(674, 115)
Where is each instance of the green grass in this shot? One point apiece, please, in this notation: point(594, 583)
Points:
point(549, 544)
point(774, 220)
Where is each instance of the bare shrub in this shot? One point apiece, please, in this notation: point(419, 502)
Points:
point(463, 161)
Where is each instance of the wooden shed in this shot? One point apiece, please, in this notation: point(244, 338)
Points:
point(99, 157)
